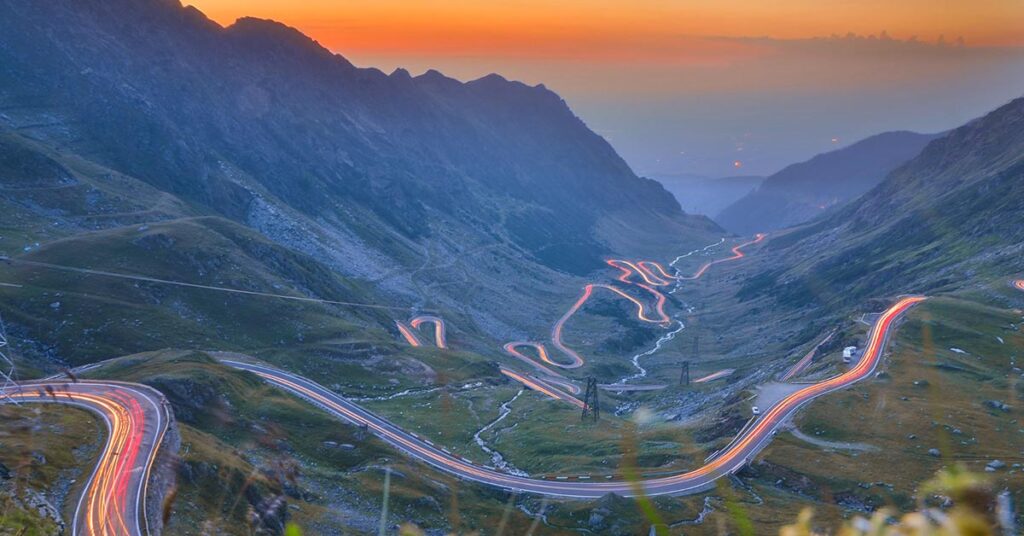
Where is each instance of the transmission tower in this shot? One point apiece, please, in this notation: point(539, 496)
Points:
point(591, 407)
point(684, 373)
point(6, 365)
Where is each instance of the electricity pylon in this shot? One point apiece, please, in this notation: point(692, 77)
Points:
point(6, 365)
point(591, 407)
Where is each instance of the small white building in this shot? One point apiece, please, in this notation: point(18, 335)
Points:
point(848, 353)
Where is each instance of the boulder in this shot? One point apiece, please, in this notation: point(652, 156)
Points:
point(994, 465)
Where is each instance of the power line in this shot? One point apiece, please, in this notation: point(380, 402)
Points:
point(148, 279)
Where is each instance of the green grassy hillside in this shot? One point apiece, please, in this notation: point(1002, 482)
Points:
point(47, 453)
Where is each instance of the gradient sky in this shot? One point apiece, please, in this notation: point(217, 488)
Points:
point(709, 88)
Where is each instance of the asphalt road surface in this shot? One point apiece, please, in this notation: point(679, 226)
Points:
point(440, 338)
point(727, 461)
point(136, 418)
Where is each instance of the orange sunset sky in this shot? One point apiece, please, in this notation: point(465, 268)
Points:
point(534, 27)
point(682, 86)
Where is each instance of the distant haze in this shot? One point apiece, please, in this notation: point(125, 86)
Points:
point(681, 87)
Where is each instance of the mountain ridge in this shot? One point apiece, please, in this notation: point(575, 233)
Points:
point(378, 177)
point(365, 112)
point(801, 191)
point(955, 210)
point(698, 194)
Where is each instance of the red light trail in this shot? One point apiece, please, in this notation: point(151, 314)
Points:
point(136, 418)
point(653, 275)
point(725, 462)
point(440, 337)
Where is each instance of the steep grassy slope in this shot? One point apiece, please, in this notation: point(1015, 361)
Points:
point(67, 211)
point(802, 191)
point(48, 193)
point(950, 218)
point(930, 397)
point(76, 317)
point(47, 454)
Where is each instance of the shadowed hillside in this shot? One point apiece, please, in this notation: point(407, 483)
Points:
point(949, 218)
point(476, 198)
point(802, 191)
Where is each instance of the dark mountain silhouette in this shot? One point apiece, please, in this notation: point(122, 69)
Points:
point(258, 115)
point(802, 191)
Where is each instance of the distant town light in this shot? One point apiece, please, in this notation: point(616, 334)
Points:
point(737, 164)
point(835, 140)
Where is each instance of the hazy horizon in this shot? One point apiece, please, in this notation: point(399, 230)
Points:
point(682, 88)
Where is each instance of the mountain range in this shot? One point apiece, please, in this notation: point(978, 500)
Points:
point(802, 191)
point(396, 181)
point(708, 195)
point(950, 218)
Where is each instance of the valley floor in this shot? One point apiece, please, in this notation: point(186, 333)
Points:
point(946, 394)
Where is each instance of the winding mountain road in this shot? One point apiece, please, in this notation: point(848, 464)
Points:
point(113, 501)
point(136, 417)
point(653, 275)
point(512, 349)
point(557, 389)
point(725, 462)
point(737, 253)
point(440, 336)
point(715, 376)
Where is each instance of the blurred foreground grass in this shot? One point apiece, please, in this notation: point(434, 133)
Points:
point(956, 502)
